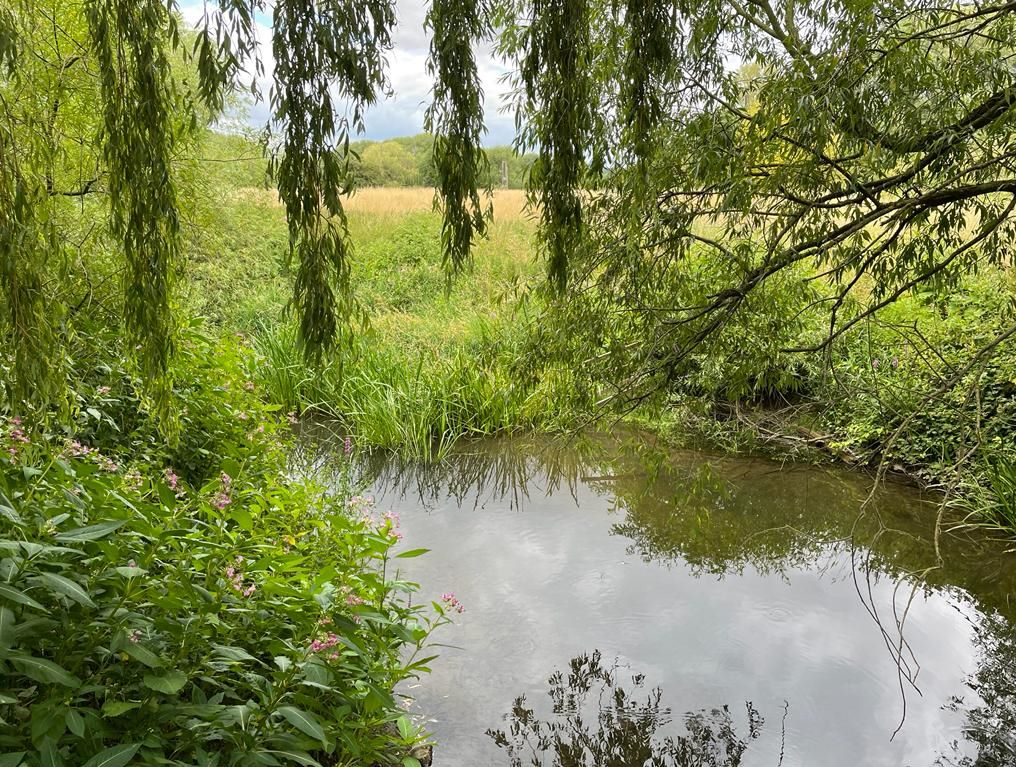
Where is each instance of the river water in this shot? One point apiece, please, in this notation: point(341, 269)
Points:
point(627, 604)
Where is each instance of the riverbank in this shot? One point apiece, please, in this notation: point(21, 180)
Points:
point(431, 361)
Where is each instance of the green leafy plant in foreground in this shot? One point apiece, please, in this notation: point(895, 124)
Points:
point(144, 621)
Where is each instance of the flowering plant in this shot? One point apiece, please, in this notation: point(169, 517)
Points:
point(147, 621)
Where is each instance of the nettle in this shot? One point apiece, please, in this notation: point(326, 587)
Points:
point(146, 622)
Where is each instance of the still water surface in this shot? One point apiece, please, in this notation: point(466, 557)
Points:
point(633, 604)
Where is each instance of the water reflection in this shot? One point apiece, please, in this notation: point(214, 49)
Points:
point(715, 513)
point(723, 579)
point(600, 718)
point(991, 724)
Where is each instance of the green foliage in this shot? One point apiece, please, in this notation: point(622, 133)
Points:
point(386, 163)
point(138, 144)
point(455, 117)
point(551, 42)
point(316, 46)
point(417, 404)
point(380, 163)
point(191, 605)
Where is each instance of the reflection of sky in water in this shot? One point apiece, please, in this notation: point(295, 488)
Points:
point(549, 582)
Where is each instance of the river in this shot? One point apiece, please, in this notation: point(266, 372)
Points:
point(629, 604)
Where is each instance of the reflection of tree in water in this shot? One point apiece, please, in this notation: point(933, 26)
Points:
point(715, 515)
point(624, 730)
point(718, 516)
point(991, 725)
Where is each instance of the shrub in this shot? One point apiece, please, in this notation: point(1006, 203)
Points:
point(245, 620)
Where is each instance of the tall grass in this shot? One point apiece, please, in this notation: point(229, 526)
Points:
point(437, 365)
point(418, 405)
point(509, 204)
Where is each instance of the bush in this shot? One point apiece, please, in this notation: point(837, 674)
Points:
point(146, 620)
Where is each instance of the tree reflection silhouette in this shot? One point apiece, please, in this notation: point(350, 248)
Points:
point(597, 721)
point(991, 722)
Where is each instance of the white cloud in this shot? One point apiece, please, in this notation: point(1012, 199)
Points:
point(402, 113)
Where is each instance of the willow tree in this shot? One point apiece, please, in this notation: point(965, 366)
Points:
point(873, 146)
point(778, 145)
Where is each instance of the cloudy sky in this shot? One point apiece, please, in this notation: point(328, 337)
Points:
point(401, 115)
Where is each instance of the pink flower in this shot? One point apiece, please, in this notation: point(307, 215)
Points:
point(134, 636)
point(347, 447)
point(453, 603)
point(324, 643)
point(103, 390)
point(353, 599)
point(172, 480)
point(236, 580)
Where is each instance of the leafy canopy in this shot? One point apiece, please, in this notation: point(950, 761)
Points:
point(866, 141)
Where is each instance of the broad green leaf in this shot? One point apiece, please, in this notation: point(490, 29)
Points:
point(117, 756)
point(405, 727)
point(18, 596)
point(6, 627)
point(42, 670)
point(75, 723)
point(11, 515)
point(300, 757)
point(232, 653)
point(12, 759)
point(169, 683)
point(410, 761)
point(112, 708)
point(304, 721)
point(48, 754)
point(142, 654)
point(411, 553)
point(92, 532)
point(243, 518)
point(68, 588)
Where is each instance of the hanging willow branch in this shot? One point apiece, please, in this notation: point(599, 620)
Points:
point(456, 119)
point(8, 40)
point(649, 57)
point(318, 47)
point(554, 95)
point(130, 41)
point(27, 237)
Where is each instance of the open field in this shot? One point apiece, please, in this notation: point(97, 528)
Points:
point(509, 204)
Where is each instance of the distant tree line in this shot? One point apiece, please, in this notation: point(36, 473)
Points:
point(409, 161)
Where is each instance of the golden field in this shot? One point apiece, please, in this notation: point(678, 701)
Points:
point(509, 204)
